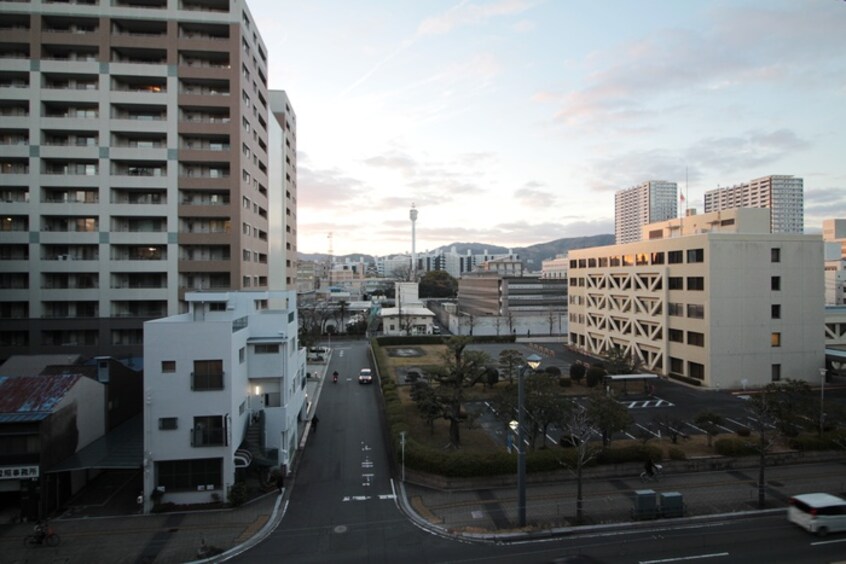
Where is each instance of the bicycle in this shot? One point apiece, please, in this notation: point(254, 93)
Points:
point(42, 535)
point(657, 472)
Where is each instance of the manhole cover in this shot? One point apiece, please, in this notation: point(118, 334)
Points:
point(341, 529)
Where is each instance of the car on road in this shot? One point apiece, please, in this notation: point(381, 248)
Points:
point(365, 376)
point(819, 513)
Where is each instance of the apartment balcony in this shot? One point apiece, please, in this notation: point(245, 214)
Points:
point(139, 308)
point(138, 280)
point(138, 258)
point(71, 254)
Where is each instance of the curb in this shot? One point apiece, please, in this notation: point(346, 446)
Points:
point(517, 537)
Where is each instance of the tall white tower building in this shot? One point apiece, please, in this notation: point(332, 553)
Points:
point(648, 202)
point(413, 215)
point(783, 195)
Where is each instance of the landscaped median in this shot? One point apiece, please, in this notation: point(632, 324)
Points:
point(431, 458)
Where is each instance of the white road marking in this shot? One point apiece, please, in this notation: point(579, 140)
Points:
point(380, 497)
point(818, 543)
point(683, 558)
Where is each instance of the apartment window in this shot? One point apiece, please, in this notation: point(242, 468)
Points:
point(695, 339)
point(675, 309)
point(267, 349)
point(775, 339)
point(207, 375)
point(696, 370)
point(188, 475)
point(775, 255)
point(696, 311)
point(675, 257)
point(676, 335)
point(217, 306)
point(775, 283)
point(775, 371)
point(168, 366)
point(167, 423)
point(695, 255)
point(775, 311)
point(208, 431)
point(657, 258)
point(675, 283)
point(676, 365)
point(695, 283)
point(242, 355)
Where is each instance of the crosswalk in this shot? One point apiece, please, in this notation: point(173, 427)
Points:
point(647, 404)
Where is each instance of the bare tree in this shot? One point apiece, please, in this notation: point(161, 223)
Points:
point(576, 425)
point(761, 414)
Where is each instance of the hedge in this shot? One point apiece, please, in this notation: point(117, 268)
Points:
point(829, 441)
point(734, 446)
point(630, 453)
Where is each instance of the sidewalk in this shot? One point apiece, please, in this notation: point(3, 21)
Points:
point(491, 514)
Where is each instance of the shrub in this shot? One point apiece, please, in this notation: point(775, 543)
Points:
point(743, 432)
point(594, 376)
point(828, 441)
point(733, 446)
point(631, 453)
point(676, 453)
point(565, 382)
point(577, 372)
point(237, 494)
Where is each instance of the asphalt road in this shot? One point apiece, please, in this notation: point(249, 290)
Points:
point(343, 508)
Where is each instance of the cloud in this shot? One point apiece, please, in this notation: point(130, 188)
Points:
point(734, 47)
point(531, 195)
point(468, 13)
point(394, 161)
point(326, 188)
point(755, 148)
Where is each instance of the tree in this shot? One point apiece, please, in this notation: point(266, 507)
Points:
point(438, 284)
point(509, 360)
point(427, 403)
point(617, 361)
point(460, 369)
point(793, 406)
point(544, 406)
point(608, 415)
point(403, 273)
point(710, 423)
point(343, 306)
point(576, 425)
point(491, 377)
point(672, 426)
point(761, 412)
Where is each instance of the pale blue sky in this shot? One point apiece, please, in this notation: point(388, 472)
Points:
point(513, 122)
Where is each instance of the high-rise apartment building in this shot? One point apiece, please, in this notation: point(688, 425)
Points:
point(142, 156)
point(648, 202)
point(782, 195)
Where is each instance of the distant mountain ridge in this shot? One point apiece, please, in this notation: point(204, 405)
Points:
point(532, 256)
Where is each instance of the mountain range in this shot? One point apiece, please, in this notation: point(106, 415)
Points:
point(532, 256)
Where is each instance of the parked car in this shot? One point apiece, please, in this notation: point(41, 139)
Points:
point(819, 513)
point(365, 376)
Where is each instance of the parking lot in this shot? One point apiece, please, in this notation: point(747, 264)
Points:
point(660, 408)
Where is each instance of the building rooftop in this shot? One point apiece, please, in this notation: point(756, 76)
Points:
point(32, 398)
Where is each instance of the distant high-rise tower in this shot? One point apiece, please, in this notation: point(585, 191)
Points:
point(143, 156)
point(413, 215)
point(648, 202)
point(783, 195)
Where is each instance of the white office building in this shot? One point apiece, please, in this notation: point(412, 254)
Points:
point(713, 300)
point(224, 387)
point(782, 195)
point(648, 202)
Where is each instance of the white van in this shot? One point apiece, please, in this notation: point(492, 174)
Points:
point(819, 513)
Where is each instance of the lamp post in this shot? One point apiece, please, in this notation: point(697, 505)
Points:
point(822, 400)
point(532, 362)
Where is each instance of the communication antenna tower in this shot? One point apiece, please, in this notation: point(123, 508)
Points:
point(329, 259)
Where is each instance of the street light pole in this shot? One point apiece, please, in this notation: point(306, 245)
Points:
point(532, 362)
point(822, 400)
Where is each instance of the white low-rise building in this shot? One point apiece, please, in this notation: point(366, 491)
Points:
point(228, 369)
point(705, 299)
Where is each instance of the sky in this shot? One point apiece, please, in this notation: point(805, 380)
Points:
point(513, 122)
